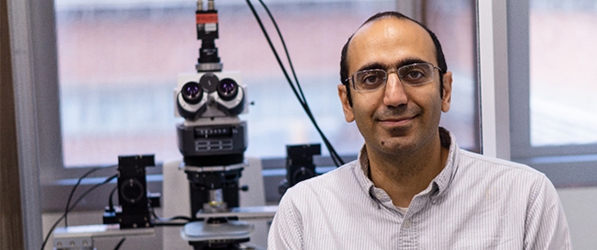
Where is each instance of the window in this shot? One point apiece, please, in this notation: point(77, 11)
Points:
point(119, 62)
point(562, 73)
point(552, 110)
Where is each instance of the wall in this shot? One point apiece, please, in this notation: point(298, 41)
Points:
point(579, 204)
point(11, 227)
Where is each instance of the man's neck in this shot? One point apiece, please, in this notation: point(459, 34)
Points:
point(403, 176)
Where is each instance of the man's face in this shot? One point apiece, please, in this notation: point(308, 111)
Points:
point(397, 118)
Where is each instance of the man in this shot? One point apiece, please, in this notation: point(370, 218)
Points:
point(412, 187)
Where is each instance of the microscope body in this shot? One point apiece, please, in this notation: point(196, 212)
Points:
point(212, 139)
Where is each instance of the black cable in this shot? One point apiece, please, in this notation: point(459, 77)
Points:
point(73, 206)
point(187, 219)
point(110, 203)
point(335, 157)
point(333, 154)
point(169, 224)
point(271, 17)
point(164, 222)
point(119, 244)
point(72, 192)
point(273, 49)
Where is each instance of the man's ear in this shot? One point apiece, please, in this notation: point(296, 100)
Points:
point(346, 104)
point(447, 91)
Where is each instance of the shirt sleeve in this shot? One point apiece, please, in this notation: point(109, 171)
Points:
point(286, 229)
point(546, 226)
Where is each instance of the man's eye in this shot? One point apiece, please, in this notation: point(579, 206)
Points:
point(414, 75)
point(370, 80)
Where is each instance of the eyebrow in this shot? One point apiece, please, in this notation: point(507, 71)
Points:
point(410, 60)
point(378, 65)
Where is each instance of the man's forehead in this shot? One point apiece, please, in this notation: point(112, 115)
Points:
point(390, 21)
point(386, 37)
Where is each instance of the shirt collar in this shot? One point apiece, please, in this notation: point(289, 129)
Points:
point(445, 177)
point(362, 172)
point(437, 186)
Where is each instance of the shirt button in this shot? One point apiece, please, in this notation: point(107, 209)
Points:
point(378, 193)
point(407, 224)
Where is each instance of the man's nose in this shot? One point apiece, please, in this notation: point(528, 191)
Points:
point(394, 92)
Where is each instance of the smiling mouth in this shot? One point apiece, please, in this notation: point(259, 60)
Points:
point(397, 122)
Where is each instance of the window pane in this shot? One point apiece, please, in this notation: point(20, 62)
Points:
point(446, 18)
point(119, 62)
point(562, 53)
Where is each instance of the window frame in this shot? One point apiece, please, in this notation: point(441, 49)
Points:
point(493, 78)
point(27, 22)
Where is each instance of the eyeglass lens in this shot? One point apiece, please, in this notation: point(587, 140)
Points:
point(412, 74)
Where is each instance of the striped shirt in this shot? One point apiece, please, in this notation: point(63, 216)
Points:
point(476, 202)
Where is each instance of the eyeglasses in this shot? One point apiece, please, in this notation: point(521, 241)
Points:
point(415, 74)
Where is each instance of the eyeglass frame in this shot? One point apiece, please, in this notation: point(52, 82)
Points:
point(350, 80)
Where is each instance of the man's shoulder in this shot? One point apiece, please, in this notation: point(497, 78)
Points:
point(332, 183)
point(496, 164)
point(330, 179)
point(486, 170)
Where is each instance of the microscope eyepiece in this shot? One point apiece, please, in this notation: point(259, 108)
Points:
point(192, 92)
point(227, 89)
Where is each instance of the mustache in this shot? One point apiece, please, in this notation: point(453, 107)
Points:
point(402, 111)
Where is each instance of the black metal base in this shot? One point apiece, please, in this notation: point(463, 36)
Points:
point(230, 244)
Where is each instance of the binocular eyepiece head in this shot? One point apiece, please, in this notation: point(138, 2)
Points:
point(210, 97)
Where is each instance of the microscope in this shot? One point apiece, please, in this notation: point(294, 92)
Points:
point(212, 140)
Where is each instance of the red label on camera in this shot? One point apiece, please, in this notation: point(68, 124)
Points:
point(203, 18)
